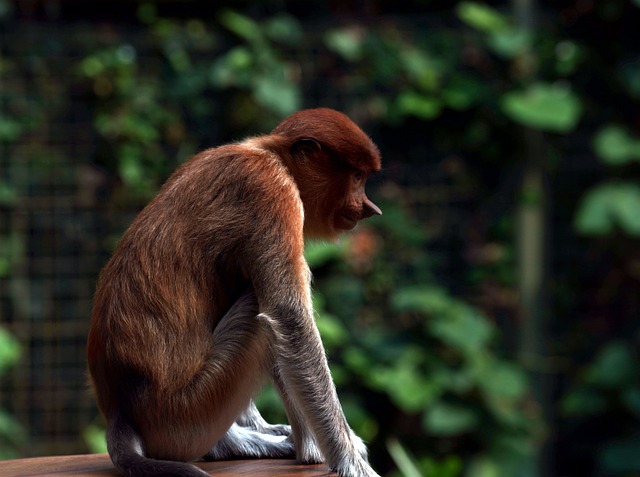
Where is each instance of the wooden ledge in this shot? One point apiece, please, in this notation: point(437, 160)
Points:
point(99, 465)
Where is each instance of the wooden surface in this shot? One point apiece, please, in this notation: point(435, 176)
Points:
point(99, 465)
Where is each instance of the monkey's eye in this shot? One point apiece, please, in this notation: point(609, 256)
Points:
point(358, 176)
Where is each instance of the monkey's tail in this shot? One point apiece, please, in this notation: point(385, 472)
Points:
point(125, 448)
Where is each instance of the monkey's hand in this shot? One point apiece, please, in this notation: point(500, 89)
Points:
point(307, 451)
point(360, 446)
point(356, 465)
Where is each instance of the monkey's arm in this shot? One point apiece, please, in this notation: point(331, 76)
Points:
point(281, 279)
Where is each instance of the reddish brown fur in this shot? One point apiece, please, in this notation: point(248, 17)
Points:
point(231, 219)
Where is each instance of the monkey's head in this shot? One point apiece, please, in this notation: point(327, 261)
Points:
point(330, 158)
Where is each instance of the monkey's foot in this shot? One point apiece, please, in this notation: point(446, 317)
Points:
point(252, 419)
point(243, 443)
point(307, 451)
point(355, 468)
point(274, 429)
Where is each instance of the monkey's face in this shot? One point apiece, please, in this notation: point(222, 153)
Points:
point(333, 195)
point(330, 158)
point(356, 206)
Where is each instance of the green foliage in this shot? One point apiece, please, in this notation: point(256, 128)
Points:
point(434, 361)
point(449, 420)
point(12, 434)
point(500, 35)
point(615, 367)
point(453, 403)
point(543, 106)
point(612, 206)
point(409, 466)
point(609, 207)
point(258, 66)
point(615, 146)
point(95, 437)
point(347, 43)
point(9, 350)
point(11, 250)
point(621, 457)
point(610, 381)
point(8, 195)
point(10, 128)
point(143, 115)
point(481, 17)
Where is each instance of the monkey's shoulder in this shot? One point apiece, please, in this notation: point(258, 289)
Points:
point(241, 184)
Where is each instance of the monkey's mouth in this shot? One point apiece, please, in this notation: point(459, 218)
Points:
point(346, 221)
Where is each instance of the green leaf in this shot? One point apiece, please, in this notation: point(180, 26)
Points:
point(5, 266)
point(461, 92)
point(614, 367)
point(320, 253)
point(401, 226)
point(232, 69)
point(147, 13)
point(503, 381)
point(284, 28)
point(346, 42)
point(359, 419)
point(615, 146)
point(410, 103)
point(422, 70)
point(8, 194)
point(403, 459)
point(510, 42)
point(277, 94)
point(543, 106)
point(331, 329)
point(95, 438)
point(481, 17)
point(12, 430)
point(241, 25)
point(10, 128)
point(631, 399)
point(449, 420)
point(462, 328)
point(130, 166)
point(583, 401)
point(620, 457)
point(425, 299)
point(11, 252)
point(9, 350)
point(568, 57)
point(407, 386)
point(609, 206)
point(630, 76)
point(483, 467)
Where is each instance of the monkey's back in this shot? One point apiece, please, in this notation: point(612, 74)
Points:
point(177, 270)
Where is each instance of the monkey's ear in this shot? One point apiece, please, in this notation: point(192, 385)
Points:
point(305, 145)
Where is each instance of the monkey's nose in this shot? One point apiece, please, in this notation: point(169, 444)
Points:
point(369, 209)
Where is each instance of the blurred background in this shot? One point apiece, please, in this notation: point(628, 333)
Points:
point(485, 326)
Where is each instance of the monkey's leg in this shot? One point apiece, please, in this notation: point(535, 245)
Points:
point(184, 424)
point(257, 439)
point(244, 443)
point(252, 419)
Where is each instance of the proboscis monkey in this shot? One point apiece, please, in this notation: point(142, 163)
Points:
point(208, 294)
